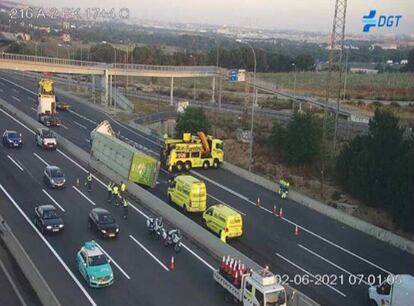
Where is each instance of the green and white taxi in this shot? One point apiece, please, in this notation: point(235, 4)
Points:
point(94, 266)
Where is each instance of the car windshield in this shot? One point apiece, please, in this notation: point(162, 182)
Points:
point(56, 173)
point(50, 214)
point(97, 260)
point(48, 134)
point(275, 298)
point(13, 135)
point(106, 219)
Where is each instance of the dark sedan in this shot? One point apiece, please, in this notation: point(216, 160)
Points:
point(12, 139)
point(54, 177)
point(103, 223)
point(47, 220)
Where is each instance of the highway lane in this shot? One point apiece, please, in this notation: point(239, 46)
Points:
point(142, 279)
point(319, 250)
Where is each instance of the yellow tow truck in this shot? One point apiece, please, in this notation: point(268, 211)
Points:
point(193, 151)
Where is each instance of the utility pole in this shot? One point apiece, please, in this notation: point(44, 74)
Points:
point(334, 77)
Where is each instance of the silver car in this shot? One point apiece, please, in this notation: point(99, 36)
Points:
point(54, 177)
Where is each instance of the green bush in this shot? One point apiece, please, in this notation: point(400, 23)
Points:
point(193, 120)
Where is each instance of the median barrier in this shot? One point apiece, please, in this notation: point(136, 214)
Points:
point(29, 269)
point(326, 210)
point(192, 231)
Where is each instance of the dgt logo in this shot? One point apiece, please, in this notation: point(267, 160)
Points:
point(383, 21)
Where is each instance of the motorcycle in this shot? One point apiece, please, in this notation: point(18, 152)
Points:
point(172, 237)
point(155, 227)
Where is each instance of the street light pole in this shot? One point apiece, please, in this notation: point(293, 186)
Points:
point(294, 86)
point(253, 103)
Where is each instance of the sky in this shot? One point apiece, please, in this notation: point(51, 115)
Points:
point(302, 15)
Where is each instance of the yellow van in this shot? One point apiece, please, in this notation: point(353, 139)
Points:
point(188, 192)
point(219, 218)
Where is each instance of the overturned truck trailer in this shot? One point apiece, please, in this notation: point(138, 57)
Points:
point(123, 158)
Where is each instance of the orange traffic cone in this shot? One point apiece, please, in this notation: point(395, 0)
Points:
point(77, 182)
point(296, 230)
point(172, 264)
point(236, 279)
point(274, 210)
point(231, 267)
point(226, 265)
point(223, 263)
point(281, 213)
point(258, 202)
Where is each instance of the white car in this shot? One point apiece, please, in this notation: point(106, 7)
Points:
point(46, 139)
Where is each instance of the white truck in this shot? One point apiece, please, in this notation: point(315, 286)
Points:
point(46, 106)
point(255, 288)
point(396, 290)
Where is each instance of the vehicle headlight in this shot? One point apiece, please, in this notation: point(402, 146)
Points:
point(60, 225)
point(20, 140)
point(52, 181)
point(49, 227)
point(117, 230)
point(93, 277)
point(64, 181)
point(103, 231)
point(10, 141)
point(111, 276)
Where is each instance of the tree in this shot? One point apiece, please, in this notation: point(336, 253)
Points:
point(303, 139)
point(277, 135)
point(193, 120)
point(379, 168)
point(304, 62)
point(410, 66)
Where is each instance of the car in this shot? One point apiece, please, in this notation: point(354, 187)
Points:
point(103, 223)
point(62, 106)
point(94, 266)
point(12, 139)
point(50, 120)
point(46, 139)
point(54, 177)
point(47, 220)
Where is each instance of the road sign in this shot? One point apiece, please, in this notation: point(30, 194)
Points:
point(233, 75)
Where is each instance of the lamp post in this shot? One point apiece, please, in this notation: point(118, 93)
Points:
point(64, 47)
point(253, 103)
point(294, 86)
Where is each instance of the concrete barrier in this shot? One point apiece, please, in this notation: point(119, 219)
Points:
point(33, 275)
point(192, 231)
point(331, 212)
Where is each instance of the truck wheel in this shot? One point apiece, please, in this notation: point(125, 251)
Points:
point(206, 165)
point(185, 208)
point(187, 166)
point(372, 303)
point(169, 199)
point(215, 164)
point(179, 166)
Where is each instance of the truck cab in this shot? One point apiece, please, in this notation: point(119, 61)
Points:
point(394, 291)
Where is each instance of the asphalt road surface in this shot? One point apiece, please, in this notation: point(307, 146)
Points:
point(329, 261)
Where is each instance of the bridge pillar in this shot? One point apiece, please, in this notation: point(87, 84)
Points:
point(172, 91)
point(111, 99)
point(93, 89)
point(219, 94)
point(213, 95)
point(104, 87)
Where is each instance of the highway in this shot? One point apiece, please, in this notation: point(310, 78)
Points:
point(347, 259)
point(141, 265)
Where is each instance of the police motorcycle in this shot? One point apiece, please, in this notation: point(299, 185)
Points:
point(173, 237)
point(155, 227)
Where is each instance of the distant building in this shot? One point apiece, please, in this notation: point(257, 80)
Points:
point(389, 62)
point(368, 68)
point(404, 62)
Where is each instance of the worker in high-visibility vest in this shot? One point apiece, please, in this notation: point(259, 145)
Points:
point(89, 182)
point(125, 208)
point(115, 194)
point(123, 189)
point(109, 187)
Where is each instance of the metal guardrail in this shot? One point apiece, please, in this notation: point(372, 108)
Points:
point(208, 70)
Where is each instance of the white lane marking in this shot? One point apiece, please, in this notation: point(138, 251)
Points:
point(149, 253)
point(310, 274)
point(50, 247)
point(224, 203)
point(16, 98)
point(64, 126)
point(33, 109)
point(293, 223)
point(132, 131)
point(31, 98)
point(84, 196)
point(217, 184)
point(113, 261)
point(41, 159)
point(53, 200)
point(17, 121)
point(198, 257)
point(83, 117)
point(80, 125)
point(333, 264)
point(82, 168)
point(242, 197)
point(15, 163)
point(17, 85)
point(13, 284)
